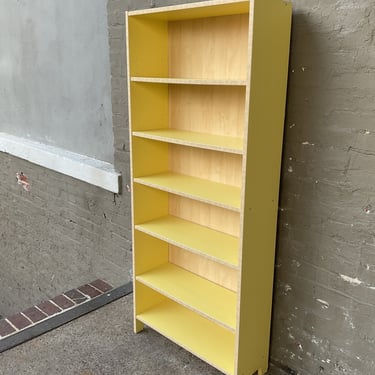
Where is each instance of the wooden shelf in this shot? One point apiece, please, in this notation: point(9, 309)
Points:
point(212, 244)
point(216, 8)
point(225, 196)
point(190, 81)
point(196, 293)
point(207, 340)
point(194, 139)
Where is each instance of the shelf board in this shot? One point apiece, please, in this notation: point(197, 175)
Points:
point(194, 139)
point(208, 299)
point(218, 246)
point(221, 195)
point(215, 8)
point(190, 81)
point(205, 339)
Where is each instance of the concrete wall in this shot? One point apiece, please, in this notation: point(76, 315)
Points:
point(325, 283)
point(55, 74)
point(64, 232)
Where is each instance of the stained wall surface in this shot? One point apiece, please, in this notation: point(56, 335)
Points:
point(55, 74)
point(64, 232)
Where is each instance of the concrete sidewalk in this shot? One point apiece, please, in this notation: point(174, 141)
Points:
point(103, 343)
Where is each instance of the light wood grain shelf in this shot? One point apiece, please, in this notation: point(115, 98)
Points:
point(202, 337)
point(218, 246)
point(196, 293)
point(190, 81)
point(207, 93)
point(194, 139)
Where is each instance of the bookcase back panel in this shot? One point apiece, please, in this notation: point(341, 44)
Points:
point(213, 217)
point(208, 109)
point(211, 165)
point(204, 267)
point(214, 47)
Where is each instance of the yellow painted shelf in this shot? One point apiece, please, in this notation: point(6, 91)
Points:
point(207, 340)
point(190, 81)
point(221, 195)
point(194, 292)
point(194, 139)
point(218, 246)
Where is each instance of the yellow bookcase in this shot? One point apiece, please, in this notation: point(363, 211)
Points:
point(207, 87)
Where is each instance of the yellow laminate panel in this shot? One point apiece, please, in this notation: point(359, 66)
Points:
point(202, 337)
point(226, 196)
point(150, 252)
point(269, 47)
point(147, 47)
point(148, 106)
point(149, 156)
point(148, 203)
point(194, 292)
point(144, 299)
point(194, 139)
point(187, 235)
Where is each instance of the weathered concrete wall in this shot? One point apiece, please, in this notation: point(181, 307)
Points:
point(64, 233)
point(325, 283)
point(55, 74)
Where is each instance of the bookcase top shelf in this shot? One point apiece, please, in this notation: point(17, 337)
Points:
point(195, 10)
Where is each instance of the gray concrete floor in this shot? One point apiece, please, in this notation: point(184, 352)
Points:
point(103, 343)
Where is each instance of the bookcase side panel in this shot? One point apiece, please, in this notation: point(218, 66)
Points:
point(147, 47)
point(149, 106)
point(269, 65)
